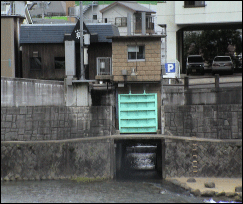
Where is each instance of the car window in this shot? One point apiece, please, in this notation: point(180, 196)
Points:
point(222, 59)
point(195, 59)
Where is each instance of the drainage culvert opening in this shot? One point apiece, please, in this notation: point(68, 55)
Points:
point(138, 159)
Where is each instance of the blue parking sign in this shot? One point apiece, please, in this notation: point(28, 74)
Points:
point(170, 67)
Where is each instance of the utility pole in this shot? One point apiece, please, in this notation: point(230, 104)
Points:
point(43, 9)
point(81, 42)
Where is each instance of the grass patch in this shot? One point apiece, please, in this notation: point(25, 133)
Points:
point(88, 180)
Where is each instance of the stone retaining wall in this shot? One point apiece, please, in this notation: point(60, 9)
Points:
point(56, 159)
point(213, 159)
point(203, 121)
point(33, 123)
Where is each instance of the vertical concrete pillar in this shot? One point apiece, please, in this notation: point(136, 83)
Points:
point(216, 81)
point(163, 158)
point(83, 95)
point(186, 83)
point(129, 23)
point(179, 51)
point(143, 23)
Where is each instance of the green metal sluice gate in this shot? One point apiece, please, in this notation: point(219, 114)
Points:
point(138, 113)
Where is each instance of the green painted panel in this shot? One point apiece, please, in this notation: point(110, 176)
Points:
point(138, 113)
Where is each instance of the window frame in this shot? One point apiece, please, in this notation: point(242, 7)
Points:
point(195, 5)
point(95, 17)
point(123, 21)
point(136, 48)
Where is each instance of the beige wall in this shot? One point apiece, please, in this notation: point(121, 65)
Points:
point(7, 47)
point(70, 4)
point(147, 70)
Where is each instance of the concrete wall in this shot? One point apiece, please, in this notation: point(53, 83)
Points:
point(31, 92)
point(213, 12)
point(203, 121)
point(172, 95)
point(56, 159)
point(214, 158)
point(35, 123)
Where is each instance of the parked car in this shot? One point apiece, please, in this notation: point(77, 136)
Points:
point(194, 64)
point(222, 64)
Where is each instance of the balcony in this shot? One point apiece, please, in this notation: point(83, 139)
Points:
point(103, 69)
point(149, 24)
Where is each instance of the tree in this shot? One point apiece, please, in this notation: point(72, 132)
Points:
point(211, 43)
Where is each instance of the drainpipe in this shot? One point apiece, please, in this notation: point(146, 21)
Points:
point(81, 42)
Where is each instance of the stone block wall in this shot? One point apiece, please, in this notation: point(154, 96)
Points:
point(33, 123)
point(204, 121)
point(214, 159)
point(147, 70)
point(56, 160)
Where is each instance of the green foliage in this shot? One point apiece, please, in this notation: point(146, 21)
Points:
point(210, 43)
point(57, 17)
point(87, 180)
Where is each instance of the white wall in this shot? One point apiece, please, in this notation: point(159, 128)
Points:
point(119, 11)
point(20, 8)
point(31, 92)
point(213, 12)
point(96, 10)
point(166, 15)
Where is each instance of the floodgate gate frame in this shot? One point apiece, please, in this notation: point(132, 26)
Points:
point(138, 113)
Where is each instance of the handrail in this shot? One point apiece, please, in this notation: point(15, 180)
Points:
point(186, 81)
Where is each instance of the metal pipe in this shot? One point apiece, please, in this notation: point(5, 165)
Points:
point(81, 42)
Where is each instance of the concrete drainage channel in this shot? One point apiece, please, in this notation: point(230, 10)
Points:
point(138, 159)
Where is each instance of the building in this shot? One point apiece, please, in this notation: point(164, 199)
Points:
point(129, 17)
point(10, 53)
point(52, 12)
point(178, 16)
point(136, 65)
point(43, 49)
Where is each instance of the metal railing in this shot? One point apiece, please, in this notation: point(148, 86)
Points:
point(103, 65)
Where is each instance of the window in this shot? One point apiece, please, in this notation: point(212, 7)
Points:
point(149, 23)
point(59, 62)
point(191, 4)
point(105, 20)
point(3, 7)
point(95, 17)
point(35, 63)
point(121, 21)
point(136, 52)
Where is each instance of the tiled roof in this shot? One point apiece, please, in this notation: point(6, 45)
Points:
point(103, 30)
point(44, 33)
point(49, 33)
point(132, 5)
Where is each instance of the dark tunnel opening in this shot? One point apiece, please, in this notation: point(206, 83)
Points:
point(139, 159)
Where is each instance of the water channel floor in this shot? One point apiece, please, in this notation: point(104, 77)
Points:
point(110, 191)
